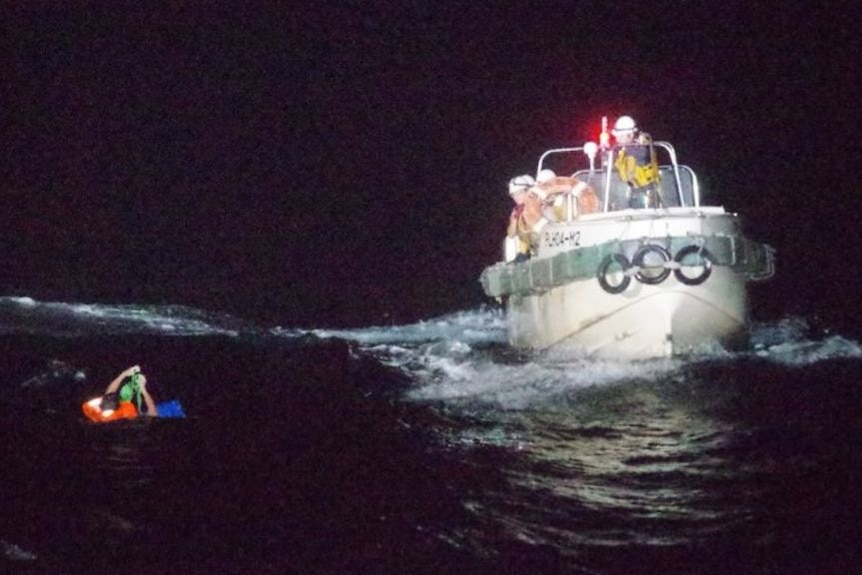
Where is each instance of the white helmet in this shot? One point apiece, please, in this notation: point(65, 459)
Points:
point(520, 184)
point(624, 124)
point(545, 175)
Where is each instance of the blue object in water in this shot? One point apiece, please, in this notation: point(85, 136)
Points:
point(170, 409)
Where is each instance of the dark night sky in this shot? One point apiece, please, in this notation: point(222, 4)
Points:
point(347, 165)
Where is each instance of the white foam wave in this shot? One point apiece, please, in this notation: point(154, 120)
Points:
point(449, 359)
point(471, 327)
point(26, 315)
point(800, 353)
point(789, 329)
point(444, 358)
point(15, 553)
point(789, 342)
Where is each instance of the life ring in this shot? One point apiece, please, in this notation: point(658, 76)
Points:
point(705, 263)
point(640, 258)
point(605, 271)
point(552, 192)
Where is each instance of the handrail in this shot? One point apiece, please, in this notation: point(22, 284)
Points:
point(674, 164)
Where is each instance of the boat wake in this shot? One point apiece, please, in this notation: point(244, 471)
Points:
point(464, 357)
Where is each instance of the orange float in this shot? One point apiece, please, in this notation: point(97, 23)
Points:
point(124, 410)
point(555, 188)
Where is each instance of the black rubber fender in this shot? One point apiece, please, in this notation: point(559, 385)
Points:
point(605, 267)
point(705, 257)
point(638, 260)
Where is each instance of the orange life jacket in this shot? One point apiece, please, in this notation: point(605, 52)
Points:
point(125, 410)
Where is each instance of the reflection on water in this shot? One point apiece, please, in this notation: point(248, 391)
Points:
point(612, 466)
point(724, 462)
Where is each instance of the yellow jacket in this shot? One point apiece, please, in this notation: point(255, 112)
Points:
point(636, 163)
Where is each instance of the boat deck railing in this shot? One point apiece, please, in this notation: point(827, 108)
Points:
point(677, 185)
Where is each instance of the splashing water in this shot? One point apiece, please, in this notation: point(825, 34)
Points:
point(463, 357)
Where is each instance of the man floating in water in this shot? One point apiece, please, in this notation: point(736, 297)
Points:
point(123, 399)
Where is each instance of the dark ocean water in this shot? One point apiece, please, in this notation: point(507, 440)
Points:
point(313, 167)
point(421, 448)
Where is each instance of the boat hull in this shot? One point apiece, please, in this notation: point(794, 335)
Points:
point(646, 321)
point(558, 301)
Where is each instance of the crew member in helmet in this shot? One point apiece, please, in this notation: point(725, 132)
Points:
point(636, 163)
point(527, 219)
point(124, 398)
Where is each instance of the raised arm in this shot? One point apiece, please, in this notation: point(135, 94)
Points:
point(148, 399)
point(115, 385)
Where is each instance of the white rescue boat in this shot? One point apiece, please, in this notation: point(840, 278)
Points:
point(656, 277)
